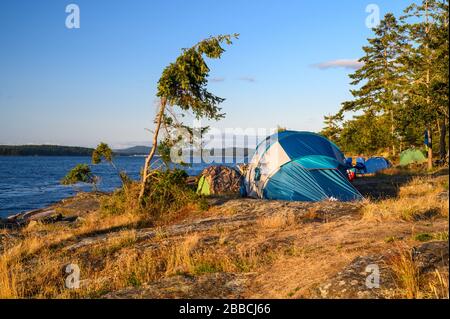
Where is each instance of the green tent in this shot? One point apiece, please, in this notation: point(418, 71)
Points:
point(203, 186)
point(411, 156)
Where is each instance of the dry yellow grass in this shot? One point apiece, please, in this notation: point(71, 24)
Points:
point(277, 221)
point(179, 257)
point(416, 200)
point(438, 285)
point(407, 274)
point(7, 280)
point(130, 267)
point(413, 284)
point(185, 258)
point(97, 222)
point(31, 267)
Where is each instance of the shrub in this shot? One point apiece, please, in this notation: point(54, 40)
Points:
point(80, 173)
point(167, 191)
point(433, 236)
point(122, 200)
point(423, 237)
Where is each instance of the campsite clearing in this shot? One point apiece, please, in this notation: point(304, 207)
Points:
point(243, 248)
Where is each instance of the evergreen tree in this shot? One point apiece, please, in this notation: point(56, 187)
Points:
point(427, 59)
point(332, 129)
point(402, 94)
point(379, 77)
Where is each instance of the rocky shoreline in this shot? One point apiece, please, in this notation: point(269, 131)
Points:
point(49, 214)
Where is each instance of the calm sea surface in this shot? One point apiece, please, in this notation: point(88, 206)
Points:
point(28, 183)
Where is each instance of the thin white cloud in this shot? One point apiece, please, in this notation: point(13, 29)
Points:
point(353, 64)
point(247, 79)
point(218, 79)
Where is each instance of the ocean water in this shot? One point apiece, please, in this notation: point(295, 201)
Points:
point(33, 182)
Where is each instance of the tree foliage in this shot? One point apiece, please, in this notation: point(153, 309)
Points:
point(183, 84)
point(401, 90)
point(79, 174)
point(103, 151)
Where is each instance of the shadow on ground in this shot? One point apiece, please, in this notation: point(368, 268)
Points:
point(383, 186)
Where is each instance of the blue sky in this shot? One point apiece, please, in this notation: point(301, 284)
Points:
point(98, 82)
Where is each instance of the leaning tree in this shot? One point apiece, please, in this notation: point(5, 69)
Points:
point(104, 153)
point(183, 84)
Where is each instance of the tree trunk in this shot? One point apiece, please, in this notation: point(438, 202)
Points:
point(393, 133)
point(442, 144)
point(145, 174)
point(427, 81)
point(430, 150)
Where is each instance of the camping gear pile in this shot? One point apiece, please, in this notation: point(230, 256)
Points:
point(299, 166)
point(360, 166)
point(351, 174)
point(351, 171)
point(370, 166)
point(219, 180)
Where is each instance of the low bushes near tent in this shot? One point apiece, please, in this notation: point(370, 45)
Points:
point(167, 192)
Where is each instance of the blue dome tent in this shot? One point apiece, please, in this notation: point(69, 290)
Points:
point(299, 166)
point(375, 164)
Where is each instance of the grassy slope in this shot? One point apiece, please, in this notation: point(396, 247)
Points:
point(241, 248)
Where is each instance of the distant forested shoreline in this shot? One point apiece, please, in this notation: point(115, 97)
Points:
point(58, 150)
point(44, 150)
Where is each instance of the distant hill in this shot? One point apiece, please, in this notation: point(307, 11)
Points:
point(44, 150)
point(135, 150)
